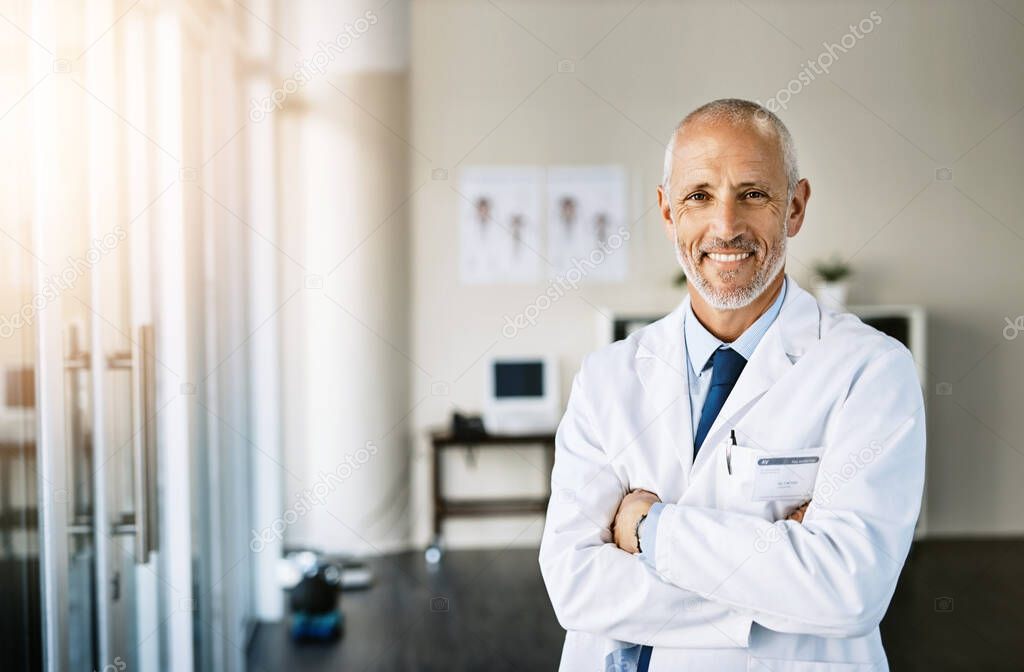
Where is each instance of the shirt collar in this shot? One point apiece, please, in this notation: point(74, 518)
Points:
point(701, 343)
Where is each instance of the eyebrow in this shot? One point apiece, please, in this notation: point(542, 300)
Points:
point(704, 185)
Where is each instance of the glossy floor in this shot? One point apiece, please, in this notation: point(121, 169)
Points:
point(959, 606)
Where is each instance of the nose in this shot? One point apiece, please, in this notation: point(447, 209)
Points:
point(726, 220)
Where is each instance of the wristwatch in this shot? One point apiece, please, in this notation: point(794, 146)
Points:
point(637, 533)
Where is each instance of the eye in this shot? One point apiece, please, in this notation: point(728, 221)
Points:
point(758, 193)
point(693, 196)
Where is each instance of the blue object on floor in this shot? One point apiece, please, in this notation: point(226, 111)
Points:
point(322, 627)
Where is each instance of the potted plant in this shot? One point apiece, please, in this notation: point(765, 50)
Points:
point(832, 287)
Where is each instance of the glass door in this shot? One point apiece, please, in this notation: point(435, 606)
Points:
point(107, 598)
point(96, 354)
point(124, 337)
point(63, 368)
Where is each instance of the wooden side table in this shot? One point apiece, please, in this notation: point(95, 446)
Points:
point(446, 508)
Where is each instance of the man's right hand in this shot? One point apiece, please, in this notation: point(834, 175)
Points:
point(798, 514)
point(634, 505)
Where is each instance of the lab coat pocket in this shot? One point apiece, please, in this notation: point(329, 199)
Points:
point(786, 476)
point(735, 480)
point(767, 483)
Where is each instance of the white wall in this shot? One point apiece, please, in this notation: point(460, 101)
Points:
point(933, 85)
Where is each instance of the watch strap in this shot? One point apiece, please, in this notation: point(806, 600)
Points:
point(637, 533)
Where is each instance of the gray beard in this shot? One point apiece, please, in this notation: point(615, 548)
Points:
point(743, 296)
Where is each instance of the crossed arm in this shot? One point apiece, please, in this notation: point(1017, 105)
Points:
point(635, 506)
point(831, 573)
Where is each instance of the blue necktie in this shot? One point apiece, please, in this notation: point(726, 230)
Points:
point(726, 366)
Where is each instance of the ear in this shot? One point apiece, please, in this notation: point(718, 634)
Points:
point(798, 206)
point(666, 215)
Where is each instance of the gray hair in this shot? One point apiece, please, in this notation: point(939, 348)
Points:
point(739, 112)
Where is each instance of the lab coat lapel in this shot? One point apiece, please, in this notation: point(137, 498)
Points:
point(661, 367)
point(793, 331)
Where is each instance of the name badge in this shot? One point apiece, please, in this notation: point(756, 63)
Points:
point(785, 477)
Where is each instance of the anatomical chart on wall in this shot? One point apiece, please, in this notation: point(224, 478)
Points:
point(586, 218)
point(500, 211)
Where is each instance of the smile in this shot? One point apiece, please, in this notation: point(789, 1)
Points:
point(728, 257)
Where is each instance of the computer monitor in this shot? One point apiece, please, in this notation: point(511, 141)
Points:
point(522, 395)
point(907, 324)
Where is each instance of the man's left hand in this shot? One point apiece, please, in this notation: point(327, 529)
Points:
point(631, 508)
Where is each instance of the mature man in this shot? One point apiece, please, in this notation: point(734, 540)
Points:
point(736, 485)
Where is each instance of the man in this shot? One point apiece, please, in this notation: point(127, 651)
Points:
point(736, 485)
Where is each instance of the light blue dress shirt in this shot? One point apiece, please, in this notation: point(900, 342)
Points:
point(700, 345)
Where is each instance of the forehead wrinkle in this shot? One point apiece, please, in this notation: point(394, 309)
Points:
point(711, 165)
point(748, 174)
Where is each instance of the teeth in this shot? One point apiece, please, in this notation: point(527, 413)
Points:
point(728, 257)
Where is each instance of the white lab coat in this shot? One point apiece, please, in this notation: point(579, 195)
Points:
point(738, 587)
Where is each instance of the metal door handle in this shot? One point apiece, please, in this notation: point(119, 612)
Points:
point(147, 521)
point(143, 524)
point(76, 360)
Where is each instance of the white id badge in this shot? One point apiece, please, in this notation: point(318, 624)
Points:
point(785, 477)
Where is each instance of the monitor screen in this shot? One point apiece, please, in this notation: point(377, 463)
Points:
point(518, 379)
point(897, 326)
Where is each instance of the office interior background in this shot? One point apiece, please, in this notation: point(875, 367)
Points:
point(239, 304)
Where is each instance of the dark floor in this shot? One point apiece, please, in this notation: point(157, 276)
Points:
point(21, 636)
point(959, 606)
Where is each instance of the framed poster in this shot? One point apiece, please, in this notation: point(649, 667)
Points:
point(586, 215)
point(500, 212)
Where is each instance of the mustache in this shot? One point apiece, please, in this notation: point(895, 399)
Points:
point(736, 245)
